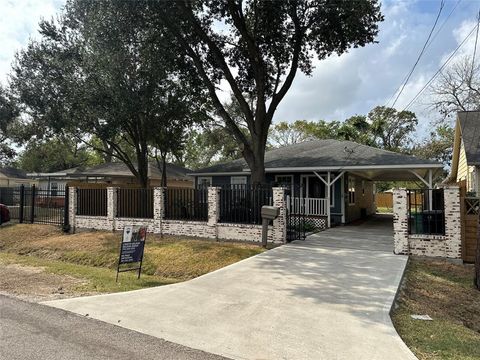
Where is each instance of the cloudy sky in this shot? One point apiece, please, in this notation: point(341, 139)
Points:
point(341, 86)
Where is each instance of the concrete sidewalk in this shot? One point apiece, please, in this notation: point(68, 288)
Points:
point(317, 299)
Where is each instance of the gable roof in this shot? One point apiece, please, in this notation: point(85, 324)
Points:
point(469, 122)
point(334, 154)
point(13, 173)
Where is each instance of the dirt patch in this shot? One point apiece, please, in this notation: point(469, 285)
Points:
point(34, 284)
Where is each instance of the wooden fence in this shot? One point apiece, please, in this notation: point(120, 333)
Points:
point(470, 206)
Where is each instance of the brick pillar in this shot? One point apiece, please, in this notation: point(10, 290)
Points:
point(72, 207)
point(111, 206)
point(158, 208)
point(453, 225)
point(213, 205)
point(400, 221)
point(279, 233)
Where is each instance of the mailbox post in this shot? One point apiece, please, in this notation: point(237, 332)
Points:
point(268, 213)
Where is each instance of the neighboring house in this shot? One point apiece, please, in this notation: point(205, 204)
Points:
point(307, 169)
point(53, 181)
point(11, 177)
point(114, 174)
point(466, 152)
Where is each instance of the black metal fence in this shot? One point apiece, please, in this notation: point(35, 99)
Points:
point(426, 212)
point(135, 203)
point(296, 218)
point(92, 202)
point(186, 204)
point(242, 204)
point(36, 205)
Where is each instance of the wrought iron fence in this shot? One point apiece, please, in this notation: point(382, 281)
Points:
point(36, 205)
point(92, 202)
point(186, 204)
point(242, 204)
point(135, 203)
point(426, 212)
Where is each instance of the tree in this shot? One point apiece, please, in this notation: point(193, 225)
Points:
point(438, 146)
point(457, 88)
point(56, 154)
point(284, 133)
point(8, 115)
point(266, 43)
point(392, 129)
point(101, 74)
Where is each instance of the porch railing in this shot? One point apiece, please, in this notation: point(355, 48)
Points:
point(307, 206)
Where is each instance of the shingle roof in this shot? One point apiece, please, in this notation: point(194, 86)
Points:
point(11, 172)
point(470, 131)
point(324, 153)
point(120, 169)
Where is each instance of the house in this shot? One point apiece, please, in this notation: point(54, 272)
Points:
point(341, 174)
point(114, 174)
point(11, 177)
point(466, 152)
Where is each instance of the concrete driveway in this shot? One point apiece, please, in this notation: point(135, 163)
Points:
point(325, 298)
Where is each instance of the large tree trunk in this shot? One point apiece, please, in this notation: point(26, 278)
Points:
point(255, 158)
point(164, 170)
point(477, 256)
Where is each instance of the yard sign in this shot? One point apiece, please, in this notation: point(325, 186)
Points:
point(131, 250)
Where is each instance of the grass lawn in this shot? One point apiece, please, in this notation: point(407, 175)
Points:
point(384, 210)
point(90, 258)
point(445, 292)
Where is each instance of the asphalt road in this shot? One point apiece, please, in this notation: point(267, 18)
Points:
point(38, 332)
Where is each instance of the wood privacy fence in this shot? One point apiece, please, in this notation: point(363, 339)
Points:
point(384, 200)
point(470, 207)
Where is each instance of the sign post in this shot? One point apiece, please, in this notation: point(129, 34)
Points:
point(131, 250)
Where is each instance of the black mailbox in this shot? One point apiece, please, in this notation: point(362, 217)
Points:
point(270, 212)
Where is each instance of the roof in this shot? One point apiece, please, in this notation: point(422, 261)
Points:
point(121, 170)
point(470, 131)
point(332, 154)
point(11, 172)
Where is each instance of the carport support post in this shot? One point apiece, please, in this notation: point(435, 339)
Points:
point(329, 187)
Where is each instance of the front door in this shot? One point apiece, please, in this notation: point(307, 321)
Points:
point(313, 187)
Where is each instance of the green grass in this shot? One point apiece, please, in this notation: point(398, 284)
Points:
point(93, 256)
point(97, 279)
point(445, 292)
point(384, 210)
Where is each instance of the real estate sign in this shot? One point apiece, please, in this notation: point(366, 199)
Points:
point(132, 247)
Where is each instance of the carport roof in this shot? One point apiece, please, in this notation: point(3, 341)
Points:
point(333, 155)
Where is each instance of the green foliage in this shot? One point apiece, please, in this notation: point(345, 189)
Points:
point(439, 146)
point(8, 116)
point(56, 154)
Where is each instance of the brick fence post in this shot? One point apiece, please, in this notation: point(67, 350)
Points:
point(453, 224)
point(158, 208)
point(279, 233)
point(111, 206)
point(72, 207)
point(213, 208)
point(400, 221)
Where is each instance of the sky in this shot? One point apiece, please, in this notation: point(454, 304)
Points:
point(340, 86)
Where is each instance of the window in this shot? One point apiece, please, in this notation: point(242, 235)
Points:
point(53, 189)
point(285, 180)
point(203, 181)
point(238, 181)
point(351, 191)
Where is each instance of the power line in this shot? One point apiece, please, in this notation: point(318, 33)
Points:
point(419, 56)
point(441, 68)
point(476, 41)
point(444, 22)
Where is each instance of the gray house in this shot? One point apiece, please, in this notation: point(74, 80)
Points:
point(327, 178)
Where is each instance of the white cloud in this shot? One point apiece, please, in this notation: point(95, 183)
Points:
point(19, 22)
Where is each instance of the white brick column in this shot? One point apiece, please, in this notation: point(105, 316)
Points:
point(453, 225)
point(279, 233)
point(213, 205)
point(158, 208)
point(72, 207)
point(111, 206)
point(400, 221)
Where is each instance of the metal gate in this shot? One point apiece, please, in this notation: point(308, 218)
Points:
point(295, 214)
point(36, 205)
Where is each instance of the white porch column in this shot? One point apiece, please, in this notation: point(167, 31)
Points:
point(329, 192)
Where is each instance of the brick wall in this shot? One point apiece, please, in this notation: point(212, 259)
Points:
point(447, 246)
point(205, 229)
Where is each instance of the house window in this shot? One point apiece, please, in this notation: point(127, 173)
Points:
point(204, 181)
point(53, 189)
point(351, 191)
point(238, 181)
point(285, 180)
